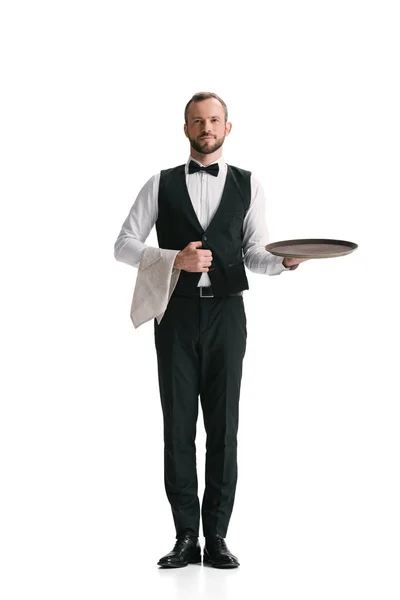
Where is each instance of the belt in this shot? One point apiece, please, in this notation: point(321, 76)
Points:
point(206, 292)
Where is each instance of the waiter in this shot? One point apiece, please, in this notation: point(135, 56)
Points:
point(214, 215)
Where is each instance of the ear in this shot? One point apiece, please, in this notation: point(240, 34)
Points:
point(185, 129)
point(228, 127)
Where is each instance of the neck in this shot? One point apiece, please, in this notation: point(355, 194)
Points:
point(206, 159)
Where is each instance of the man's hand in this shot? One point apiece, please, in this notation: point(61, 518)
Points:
point(293, 262)
point(193, 260)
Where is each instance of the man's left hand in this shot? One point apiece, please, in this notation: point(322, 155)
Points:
point(293, 262)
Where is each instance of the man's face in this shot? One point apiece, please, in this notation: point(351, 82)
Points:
point(206, 128)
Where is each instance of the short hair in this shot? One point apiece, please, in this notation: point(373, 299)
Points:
point(204, 96)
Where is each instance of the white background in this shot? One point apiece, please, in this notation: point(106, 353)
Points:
point(92, 106)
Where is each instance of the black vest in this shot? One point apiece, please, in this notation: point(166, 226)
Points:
point(177, 225)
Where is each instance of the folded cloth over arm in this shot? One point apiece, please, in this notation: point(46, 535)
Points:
point(155, 282)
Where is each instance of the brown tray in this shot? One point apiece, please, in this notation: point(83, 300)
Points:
point(311, 248)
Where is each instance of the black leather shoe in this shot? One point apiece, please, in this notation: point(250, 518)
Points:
point(217, 554)
point(186, 550)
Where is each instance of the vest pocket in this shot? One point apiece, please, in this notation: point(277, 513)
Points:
point(236, 214)
point(236, 264)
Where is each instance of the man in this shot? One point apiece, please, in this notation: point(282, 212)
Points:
point(213, 215)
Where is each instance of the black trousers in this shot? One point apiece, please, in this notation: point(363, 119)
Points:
point(200, 346)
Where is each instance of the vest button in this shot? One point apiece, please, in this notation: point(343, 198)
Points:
point(205, 238)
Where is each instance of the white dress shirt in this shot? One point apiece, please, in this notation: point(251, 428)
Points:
point(205, 192)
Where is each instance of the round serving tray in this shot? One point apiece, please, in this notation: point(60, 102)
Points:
point(311, 248)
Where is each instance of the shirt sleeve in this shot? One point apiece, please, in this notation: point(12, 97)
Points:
point(136, 228)
point(255, 236)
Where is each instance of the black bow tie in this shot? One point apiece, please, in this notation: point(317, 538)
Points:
point(194, 167)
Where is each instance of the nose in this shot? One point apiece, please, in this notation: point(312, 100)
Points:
point(207, 128)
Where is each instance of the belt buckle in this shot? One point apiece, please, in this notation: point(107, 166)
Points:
point(201, 293)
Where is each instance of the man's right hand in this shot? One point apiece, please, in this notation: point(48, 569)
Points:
point(192, 259)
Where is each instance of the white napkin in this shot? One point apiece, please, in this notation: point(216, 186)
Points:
point(155, 282)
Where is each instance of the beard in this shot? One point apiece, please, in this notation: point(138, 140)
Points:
point(206, 146)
